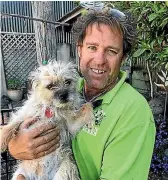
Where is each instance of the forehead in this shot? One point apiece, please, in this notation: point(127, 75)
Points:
point(103, 32)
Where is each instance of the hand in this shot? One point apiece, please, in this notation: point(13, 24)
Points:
point(30, 145)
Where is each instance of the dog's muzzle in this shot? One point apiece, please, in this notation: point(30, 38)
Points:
point(62, 96)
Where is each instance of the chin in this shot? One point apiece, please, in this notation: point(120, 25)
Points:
point(97, 85)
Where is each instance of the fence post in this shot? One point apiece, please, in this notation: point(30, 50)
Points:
point(44, 32)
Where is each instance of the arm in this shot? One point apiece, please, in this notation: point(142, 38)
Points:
point(30, 145)
point(128, 151)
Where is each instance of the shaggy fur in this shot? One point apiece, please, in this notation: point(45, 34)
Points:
point(54, 99)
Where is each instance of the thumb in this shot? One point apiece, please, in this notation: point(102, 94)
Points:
point(20, 177)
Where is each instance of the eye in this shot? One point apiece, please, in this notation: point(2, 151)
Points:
point(68, 82)
point(92, 48)
point(49, 86)
point(111, 52)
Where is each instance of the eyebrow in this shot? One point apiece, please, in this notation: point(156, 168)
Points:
point(96, 44)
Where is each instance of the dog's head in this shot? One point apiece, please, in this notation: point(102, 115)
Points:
point(55, 83)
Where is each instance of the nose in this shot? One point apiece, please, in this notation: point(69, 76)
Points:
point(100, 57)
point(63, 96)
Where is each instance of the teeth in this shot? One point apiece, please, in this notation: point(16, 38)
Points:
point(97, 71)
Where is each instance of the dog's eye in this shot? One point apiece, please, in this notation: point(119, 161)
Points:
point(49, 86)
point(67, 82)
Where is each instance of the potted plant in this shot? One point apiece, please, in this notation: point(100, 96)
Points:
point(15, 92)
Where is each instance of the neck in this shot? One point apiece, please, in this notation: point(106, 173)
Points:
point(91, 93)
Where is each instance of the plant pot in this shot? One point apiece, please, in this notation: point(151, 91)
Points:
point(15, 95)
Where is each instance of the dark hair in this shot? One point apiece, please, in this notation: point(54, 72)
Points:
point(113, 18)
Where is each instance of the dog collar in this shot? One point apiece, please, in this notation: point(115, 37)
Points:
point(48, 112)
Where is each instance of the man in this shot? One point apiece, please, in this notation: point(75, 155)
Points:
point(120, 145)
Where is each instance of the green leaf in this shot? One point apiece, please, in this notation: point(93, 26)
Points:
point(153, 24)
point(84, 11)
point(164, 22)
point(166, 3)
point(152, 17)
point(139, 52)
point(159, 40)
point(152, 43)
point(162, 10)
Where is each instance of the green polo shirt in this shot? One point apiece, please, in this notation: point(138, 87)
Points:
point(120, 145)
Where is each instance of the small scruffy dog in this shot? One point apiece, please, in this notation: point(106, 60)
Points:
point(54, 99)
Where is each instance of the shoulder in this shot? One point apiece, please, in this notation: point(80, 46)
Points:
point(131, 109)
point(132, 106)
point(132, 97)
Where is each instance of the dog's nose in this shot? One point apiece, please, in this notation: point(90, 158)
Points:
point(63, 96)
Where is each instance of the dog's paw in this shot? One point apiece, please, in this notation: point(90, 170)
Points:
point(87, 108)
point(87, 113)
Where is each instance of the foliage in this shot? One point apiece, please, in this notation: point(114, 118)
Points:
point(77, 3)
point(152, 27)
point(14, 84)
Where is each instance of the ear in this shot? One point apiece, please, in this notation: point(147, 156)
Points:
point(35, 83)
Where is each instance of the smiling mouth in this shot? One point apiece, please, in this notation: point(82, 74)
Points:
point(98, 71)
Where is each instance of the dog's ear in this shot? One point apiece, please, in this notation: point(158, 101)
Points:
point(35, 83)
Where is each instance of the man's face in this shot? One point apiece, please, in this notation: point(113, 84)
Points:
point(101, 55)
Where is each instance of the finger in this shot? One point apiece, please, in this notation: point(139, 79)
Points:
point(47, 146)
point(35, 132)
point(20, 177)
point(47, 138)
point(53, 148)
point(27, 122)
